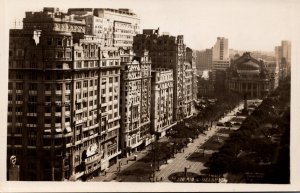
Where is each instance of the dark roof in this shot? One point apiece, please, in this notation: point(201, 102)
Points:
point(247, 62)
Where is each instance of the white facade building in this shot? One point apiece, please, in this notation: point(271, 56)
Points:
point(220, 54)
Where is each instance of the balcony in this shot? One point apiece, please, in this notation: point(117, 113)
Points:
point(57, 124)
point(58, 114)
point(58, 92)
point(47, 114)
point(32, 92)
point(30, 125)
point(47, 125)
point(32, 114)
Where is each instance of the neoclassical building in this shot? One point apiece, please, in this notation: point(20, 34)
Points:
point(248, 76)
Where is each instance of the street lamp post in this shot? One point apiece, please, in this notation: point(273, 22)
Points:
point(185, 172)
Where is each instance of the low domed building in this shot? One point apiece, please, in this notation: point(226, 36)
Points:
point(248, 76)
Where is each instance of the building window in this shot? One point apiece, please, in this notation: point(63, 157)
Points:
point(68, 54)
point(32, 98)
point(48, 98)
point(32, 86)
point(49, 41)
point(59, 54)
point(58, 87)
point(59, 42)
point(78, 64)
point(85, 84)
point(68, 86)
point(78, 85)
point(85, 94)
point(19, 86)
point(48, 109)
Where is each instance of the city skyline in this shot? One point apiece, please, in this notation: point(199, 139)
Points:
point(213, 19)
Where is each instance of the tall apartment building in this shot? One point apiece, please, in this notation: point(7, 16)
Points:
point(114, 27)
point(161, 101)
point(283, 58)
point(135, 100)
point(168, 52)
point(188, 90)
point(58, 127)
point(191, 57)
point(220, 54)
point(204, 60)
point(109, 84)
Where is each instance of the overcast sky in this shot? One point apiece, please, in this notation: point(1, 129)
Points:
point(249, 25)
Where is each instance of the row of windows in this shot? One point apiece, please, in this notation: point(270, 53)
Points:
point(58, 41)
point(87, 64)
point(84, 84)
point(34, 86)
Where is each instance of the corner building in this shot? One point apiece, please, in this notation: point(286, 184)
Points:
point(135, 101)
point(168, 52)
point(63, 113)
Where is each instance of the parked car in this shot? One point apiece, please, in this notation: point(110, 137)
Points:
point(220, 124)
point(228, 124)
point(236, 124)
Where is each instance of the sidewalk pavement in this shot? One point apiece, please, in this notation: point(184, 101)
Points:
point(112, 172)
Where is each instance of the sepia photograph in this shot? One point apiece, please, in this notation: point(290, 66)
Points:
point(149, 95)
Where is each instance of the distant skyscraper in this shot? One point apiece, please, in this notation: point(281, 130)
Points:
point(204, 60)
point(220, 54)
point(283, 58)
